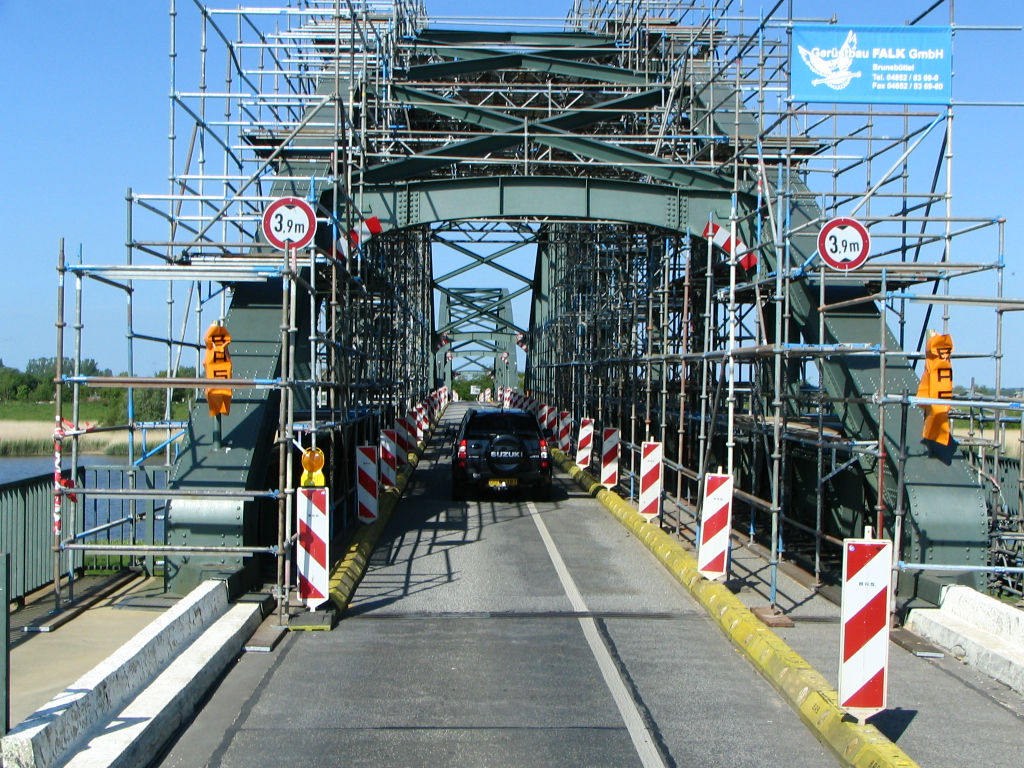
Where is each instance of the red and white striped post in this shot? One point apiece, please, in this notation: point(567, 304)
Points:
point(864, 637)
point(552, 419)
point(416, 433)
point(610, 458)
point(313, 540)
point(542, 415)
point(404, 440)
point(366, 483)
point(585, 443)
point(388, 458)
point(564, 431)
point(650, 480)
point(715, 526)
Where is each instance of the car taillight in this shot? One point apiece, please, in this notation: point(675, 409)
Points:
point(463, 453)
point(544, 454)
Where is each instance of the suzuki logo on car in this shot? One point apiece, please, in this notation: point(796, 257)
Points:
point(506, 454)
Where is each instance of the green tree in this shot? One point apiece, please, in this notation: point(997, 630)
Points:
point(148, 404)
point(463, 384)
point(42, 370)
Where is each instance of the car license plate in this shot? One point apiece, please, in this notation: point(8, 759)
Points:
point(502, 482)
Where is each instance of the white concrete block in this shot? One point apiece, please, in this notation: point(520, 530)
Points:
point(980, 649)
point(41, 739)
point(132, 737)
point(985, 612)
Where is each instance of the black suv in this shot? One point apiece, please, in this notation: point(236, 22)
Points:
point(500, 450)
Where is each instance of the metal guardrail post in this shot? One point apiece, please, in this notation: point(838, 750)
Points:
point(5, 651)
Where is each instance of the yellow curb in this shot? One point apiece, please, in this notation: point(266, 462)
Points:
point(803, 687)
point(347, 574)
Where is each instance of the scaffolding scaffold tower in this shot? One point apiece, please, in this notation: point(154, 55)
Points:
point(612, 144)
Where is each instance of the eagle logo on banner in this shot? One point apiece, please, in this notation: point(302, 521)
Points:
point(936, 383)
point(834, 71)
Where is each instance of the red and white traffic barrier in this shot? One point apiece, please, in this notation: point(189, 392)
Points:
point(564, 431)
point(864, 637)
point(610, 458)
point(715, 526)
point(366, 483)
point(312, 508)
point(651, 455)
point(416, 419)
point(388, 458)
point(403, 435)
point(585, 443)
point(552, 422)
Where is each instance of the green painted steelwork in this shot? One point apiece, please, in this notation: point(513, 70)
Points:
point(429, 165)
point(676, 208)
point(946, 513)
point(496, 61)
point(478, 325)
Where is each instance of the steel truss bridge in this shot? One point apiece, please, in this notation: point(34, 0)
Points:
point(574, 168)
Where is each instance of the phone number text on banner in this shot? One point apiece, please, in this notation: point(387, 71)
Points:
point(871, 65)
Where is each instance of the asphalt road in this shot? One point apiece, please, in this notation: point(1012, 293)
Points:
point(502, 632)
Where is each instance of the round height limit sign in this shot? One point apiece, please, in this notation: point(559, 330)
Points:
point(844, 244)
point(289, 223)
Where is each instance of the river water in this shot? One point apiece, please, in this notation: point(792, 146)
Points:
point(14, 468)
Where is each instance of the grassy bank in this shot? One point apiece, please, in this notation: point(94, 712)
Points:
point(35, 438)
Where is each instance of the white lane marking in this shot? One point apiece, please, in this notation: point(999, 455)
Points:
point(643, 742)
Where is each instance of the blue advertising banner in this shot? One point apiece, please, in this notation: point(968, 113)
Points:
point(871, 65)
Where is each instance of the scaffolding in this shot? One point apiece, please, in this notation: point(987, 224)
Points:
point(330, 342)
point(604, 142)
point(664, 337)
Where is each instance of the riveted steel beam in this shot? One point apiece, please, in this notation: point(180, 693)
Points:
point(484, 145)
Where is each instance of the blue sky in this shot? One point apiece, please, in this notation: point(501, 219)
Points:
point(85, 116)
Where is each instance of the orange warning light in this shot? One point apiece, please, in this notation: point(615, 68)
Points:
point(937, 382)
point(217, 365)
point(312, 464)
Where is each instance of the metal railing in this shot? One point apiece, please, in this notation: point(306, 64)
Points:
point(26, 532)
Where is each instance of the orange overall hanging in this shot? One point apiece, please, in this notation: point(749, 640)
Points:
point(217, 365)
point(937, 382)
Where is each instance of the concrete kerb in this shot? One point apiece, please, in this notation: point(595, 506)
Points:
point(43, 738)
point(347, 574)
point(977, 629)
point(803, 687)
point(134, 735)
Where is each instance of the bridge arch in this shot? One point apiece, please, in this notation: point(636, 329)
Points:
point(674, 208)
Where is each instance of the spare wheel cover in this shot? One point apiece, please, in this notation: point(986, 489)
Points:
point(506, 455)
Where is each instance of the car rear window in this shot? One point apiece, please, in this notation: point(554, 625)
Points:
point(485, 424)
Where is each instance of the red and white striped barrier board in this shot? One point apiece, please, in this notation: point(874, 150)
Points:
point(404, 442)
point(610, 458)
point(542, 415)
point(552, 423)
point(564, 431)
point(720, 237)
point(366, 483)
point(585, 443)
point(864, 637)
point(715, 525)
point(311, 559)
point(416, 414)
point(650, 480)
point(364, 230)
point(388, 458)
